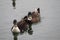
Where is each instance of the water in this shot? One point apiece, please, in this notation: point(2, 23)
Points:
point(48, 29)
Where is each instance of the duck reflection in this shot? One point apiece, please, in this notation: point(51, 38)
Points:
point(30, 32)
point(14, 3)
point(15, 35)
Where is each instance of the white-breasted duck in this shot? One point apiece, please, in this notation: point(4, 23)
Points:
point(15, 27)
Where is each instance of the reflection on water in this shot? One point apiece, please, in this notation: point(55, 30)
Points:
point(14, 3)
point(30, 32)
point(15, 38)
point(15, 35)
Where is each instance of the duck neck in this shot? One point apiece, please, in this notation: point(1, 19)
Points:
point(15, 25)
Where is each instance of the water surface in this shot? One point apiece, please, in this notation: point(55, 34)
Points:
point(48, 29)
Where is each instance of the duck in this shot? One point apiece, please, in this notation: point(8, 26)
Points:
point(36, 15)
point(29, 18)
point(15, 27)
point(23, 25)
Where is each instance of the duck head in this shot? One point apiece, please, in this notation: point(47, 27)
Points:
point(29, 16)
point(38, 10)
point(14, 21)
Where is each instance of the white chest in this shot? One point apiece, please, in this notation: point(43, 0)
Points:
point(15, 29)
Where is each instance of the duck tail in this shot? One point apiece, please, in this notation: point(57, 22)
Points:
point(14, 21)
